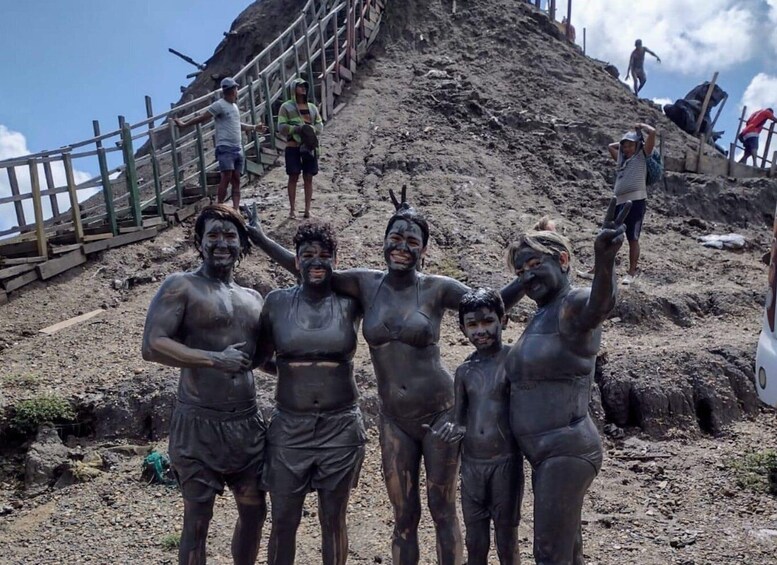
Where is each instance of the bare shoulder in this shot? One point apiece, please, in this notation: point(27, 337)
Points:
point(177, 283)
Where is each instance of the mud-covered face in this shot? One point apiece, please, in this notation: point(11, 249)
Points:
point(220, 246)
point(483, 328)
point(628, 148)
point(403, 246)
point(543, 274)
point(315, 263)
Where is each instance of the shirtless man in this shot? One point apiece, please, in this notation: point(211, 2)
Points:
point(637, 65)
point(316, 436)
point(207, 325)
point(491, 464)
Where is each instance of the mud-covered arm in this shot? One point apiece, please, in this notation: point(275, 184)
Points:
point(265, 344)
point(163, 321)
point(461, 403)
point(512, 293)
point(601, 300)
point(452, 292)
point(273, 249)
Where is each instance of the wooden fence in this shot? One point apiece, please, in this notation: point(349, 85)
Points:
point(134, 196)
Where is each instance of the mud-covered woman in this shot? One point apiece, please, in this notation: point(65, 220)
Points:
point(403, 310)
point(315, 440)
point(551, 370)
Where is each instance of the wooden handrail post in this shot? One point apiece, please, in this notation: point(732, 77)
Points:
point(176, 167)
point(773, 170)
point(739, 124)
point(160, 205)
point(349, 32)
point(768, 143)
point(731, 159)
point(552, 10)
point(49, 174)
point(110, 211)
point(336, 43)
point(268, 108)
point(254, 118)
point(569, 20)
point(706, 103)
point(308, 56)
point(131, 173)
point(201, 159)
point(17, 204)
point(75, 209)
point(40, 233)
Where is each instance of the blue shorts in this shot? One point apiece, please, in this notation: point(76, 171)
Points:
point(298, 161)
point(229, 158)
point(751, 144)
point(633, 221)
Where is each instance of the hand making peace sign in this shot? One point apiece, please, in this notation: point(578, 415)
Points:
point(613, 231)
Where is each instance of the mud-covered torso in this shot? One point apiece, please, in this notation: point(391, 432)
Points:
point(402, 328)
point(550, 370)
point(487, 391)
point(314, 346)
point(218, 315)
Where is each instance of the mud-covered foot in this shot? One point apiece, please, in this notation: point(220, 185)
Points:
point(306, 214)
point(292, 214)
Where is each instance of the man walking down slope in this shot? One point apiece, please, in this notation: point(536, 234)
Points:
point(637, 65)
point(229, 143)
point(749, 135)
point(299, 121)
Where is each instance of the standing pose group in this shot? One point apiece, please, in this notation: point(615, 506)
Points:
point(530, 400)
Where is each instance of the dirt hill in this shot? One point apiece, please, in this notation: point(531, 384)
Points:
point(492, 120)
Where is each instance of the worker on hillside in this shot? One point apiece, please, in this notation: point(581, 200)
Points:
point(637, 65)
point(631, 154)
point(299, 121)
point(229, 143)
point(749, 135)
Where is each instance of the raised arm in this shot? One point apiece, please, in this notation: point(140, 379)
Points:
point(614, 148)
point(512, 293)
point(163, 321)
point(198, 119)
point(650, 140)
point(601, 300)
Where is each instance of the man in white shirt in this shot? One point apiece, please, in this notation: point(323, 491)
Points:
point(229, 142)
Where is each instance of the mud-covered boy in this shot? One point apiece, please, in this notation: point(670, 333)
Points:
point(491, 464)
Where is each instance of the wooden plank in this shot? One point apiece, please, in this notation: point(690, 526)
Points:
point(49, 330)
point(18, 282)
point(337, 87)
point(75, 209)
point(705, 104)
point(150, 222)
point(40, 234)
point(56, 266)
point(5, 262)
point(12, 180)
point(130, 172)
point(97, 236)
point(11, 272)
point(3, 297)
point(731, 151)
point(18, 248)
point(768, 143)
point(339, 108)
point(129, 229)
point(48, 173)
point(254, 168)
point(60, 249)
point(773, 171)
point(346, 74)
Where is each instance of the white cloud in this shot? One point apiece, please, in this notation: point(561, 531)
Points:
point(761, 93)
point(690, 36)
point(14, 144)
point(772, 29)
point(663, 101)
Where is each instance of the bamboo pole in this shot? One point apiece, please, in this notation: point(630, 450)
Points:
point(40, 234)
point(75, 209)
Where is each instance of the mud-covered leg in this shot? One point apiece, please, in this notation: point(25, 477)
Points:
point(251, 510)
point(507, 544)
point(197, 513)
point(286, 515)
point(441, 461)
point(478, 541)
point(401, 457)
point(560, 483)
point(332, 509)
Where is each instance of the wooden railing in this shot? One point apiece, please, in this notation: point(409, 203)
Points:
point(134, 193)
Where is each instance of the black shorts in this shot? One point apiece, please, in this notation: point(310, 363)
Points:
point(751, 144)
point(212, 448)
point(492, 489)
point(300, 161)
point(633, 221)
point(312, 451)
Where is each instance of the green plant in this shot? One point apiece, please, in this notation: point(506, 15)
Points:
point(171, 541)
point(751, 470)
point(31, 413)
point(18, 380)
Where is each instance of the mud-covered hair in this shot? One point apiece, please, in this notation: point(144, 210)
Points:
point(222, 212)
point(313, 230)
point(409, 215)
point(479, 298)
point(542, 239)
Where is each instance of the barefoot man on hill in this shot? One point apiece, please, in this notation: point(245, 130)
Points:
point(204, 323)
point(637, 65)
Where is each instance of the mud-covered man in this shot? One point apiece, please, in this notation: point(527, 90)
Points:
point(206, 324)
point(491, 464)
point(637, 65)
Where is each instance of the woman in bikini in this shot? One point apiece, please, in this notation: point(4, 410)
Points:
point(403, 310)
point(551, 370)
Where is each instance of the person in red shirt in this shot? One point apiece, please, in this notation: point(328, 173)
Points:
point(749, 135)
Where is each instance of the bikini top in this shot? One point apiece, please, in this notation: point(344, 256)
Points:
point(335, 340)
point(399, 321)
point(542, 353)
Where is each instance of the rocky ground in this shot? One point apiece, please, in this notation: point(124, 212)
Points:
point(491, 120)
